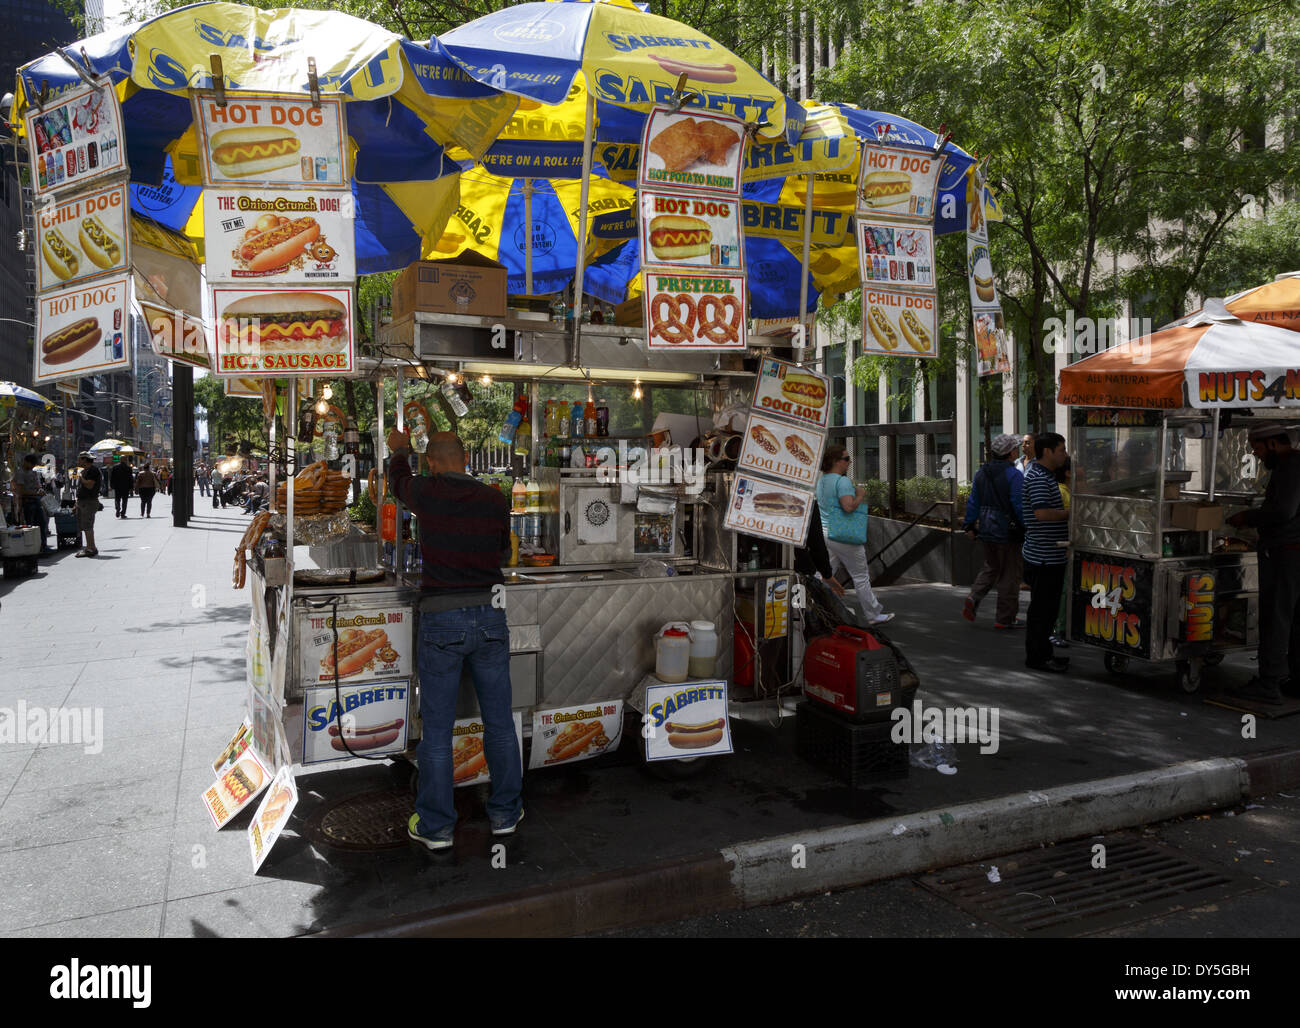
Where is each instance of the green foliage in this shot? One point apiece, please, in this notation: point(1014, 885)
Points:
point(924, 489)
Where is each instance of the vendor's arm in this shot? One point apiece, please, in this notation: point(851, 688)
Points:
point(399, 467)
point(1281, 503)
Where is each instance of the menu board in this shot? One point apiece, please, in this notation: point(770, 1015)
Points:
point(244, 388)
point(468, 756)
point(783, 451)
point(566, 735)
point(279, 237)
point(696, 232)
point(233, 749)
point(986, 309)
point(265, 139)
point(82, 237)
point(686, 720)
point(898, 183)
point(366, 719)
point(794, 393)
point(898, 255)
point(979, 266)
point(272, 815)
point(82, 330)
point(692, 151)
point(267, 332)
point(76, 139)
point(694, 312)
point(377, 642)
point(898, 323)
point(176, 335)
point(237, 786)
point(772, 510)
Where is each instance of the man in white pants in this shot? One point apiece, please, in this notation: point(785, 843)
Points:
point(844, 513)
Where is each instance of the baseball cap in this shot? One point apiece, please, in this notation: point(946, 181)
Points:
point(1004, 443)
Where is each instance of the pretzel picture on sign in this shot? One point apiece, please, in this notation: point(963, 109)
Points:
point(673, 326)
point(719, 318)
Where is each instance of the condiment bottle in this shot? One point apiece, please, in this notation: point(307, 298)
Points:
point(577, 421)
point(519, 496)
point(591, 428)
point(524, 437)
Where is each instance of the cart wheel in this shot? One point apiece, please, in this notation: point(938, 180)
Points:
point(1213, 659)
point(1116, 663)
point(1189, 675)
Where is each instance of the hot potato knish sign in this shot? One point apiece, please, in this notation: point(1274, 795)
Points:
point(264, 139)
point(279, 237)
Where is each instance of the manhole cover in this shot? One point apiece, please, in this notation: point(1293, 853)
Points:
point(1056, 892)
point(367, 821)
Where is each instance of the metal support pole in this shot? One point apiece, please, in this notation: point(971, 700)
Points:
point(580, 270)
point(183, 445)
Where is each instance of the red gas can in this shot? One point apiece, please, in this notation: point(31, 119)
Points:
point(854, 673)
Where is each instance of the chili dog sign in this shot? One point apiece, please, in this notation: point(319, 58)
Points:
point(569, 734)
point(82, 331)
point(360, 719)
point(278, 236)
point(692, 231)
point(892, 317)
point(777, 449)
point(694, 312)
point(686, 721)
point(82, 238)
point(372, 643)
point(261, 139)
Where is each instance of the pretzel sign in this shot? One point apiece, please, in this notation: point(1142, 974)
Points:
point(720, 318)
point(674, 326)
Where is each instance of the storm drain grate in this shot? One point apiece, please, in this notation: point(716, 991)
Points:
point(1056, 892)
point(367, 821)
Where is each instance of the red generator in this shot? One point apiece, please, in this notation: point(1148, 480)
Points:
point(853, 673)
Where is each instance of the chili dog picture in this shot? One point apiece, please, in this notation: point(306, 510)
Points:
point(694, 312)
point(81, 239)
point(280, 237)
point(770, 509)
point(272, 815)
point(692, 151)
point(695, 231)
point(774, 448)
point(793, 394)
point(282, 333)
point(899, 323)
point(371, 643)
point(361, 720)
point(568, 734)
point(898, 183)
point(238, 785)
point(686, 720)
point(82, 330)
point(75, 140)
point(267, 140)
point(469, 764)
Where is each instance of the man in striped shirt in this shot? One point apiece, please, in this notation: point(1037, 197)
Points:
point(1045, 526)
point(464, 534)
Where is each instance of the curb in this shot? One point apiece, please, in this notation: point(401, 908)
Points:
point(781, 868)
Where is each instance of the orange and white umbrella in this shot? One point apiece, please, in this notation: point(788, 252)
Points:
point(1211, 360)
point(1274, 303)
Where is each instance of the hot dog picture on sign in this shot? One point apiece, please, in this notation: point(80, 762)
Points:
point(570, 734)
point(772, 510)
point(361, 719)
point(301, 236)
point(282, 332)
point(374, 643)
point(687, 720)
point(793, 393)
point(82, 238)
point(784, 451)
point(469, 764)
point(899, 324)
point(692, 151)
point(694, 312)
point(264, 139)
point(696, 231)
point(82, 330)
point(898, 183)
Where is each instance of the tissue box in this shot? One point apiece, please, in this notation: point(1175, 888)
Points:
point(1196, 517)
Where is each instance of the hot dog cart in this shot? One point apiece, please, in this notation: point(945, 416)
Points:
point(1161, 457)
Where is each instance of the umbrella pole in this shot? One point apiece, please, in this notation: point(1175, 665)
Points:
point(588, 132)
point(528, 236)
point(802, 334)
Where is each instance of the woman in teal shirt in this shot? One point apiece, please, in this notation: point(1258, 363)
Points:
point(844, 520)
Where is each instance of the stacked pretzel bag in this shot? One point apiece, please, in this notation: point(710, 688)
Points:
point(316, 490)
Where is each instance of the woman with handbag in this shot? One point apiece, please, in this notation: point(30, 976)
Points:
point(146, 484)
point(844, 520)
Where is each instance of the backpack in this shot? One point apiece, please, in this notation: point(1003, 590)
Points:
point(997, 520)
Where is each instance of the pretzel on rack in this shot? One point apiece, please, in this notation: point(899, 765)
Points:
point(720, 318)
point(260, 523)
point(373, 483)
point(672, 327)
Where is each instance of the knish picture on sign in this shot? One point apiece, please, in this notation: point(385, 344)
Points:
point(692, 151)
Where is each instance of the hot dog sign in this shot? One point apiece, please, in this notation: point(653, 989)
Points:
point(570, 734)
point(361, 719)
point(371, 644)
point(793, 393)
point(697, 231)
point(82, 330)
point(898, 183)
point(279, 236)
point(688, 720)
point(82, 238)
point(265, 139)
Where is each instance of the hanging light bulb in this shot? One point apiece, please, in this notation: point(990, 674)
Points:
point(636, 389)
point(453, 378)
point(327, 392)
point(322, 407)
point(486, 380)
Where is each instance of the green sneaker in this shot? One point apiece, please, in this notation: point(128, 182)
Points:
point(412, 829)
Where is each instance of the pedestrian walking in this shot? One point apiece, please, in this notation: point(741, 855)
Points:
point(995, 516)
point(844, 522)
point(146, 483)
point(216, 482)
point(28, 492)
point(1277, 520)
point(1061, 631)
point(165, 479)
point(464, 537)
point(201, 479)
point(1045, 526)
point(88, 505)
point(121, 479)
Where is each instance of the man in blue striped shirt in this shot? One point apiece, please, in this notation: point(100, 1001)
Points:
point(1045, 526)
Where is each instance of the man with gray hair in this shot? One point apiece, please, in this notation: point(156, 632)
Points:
point(1277, 521)
point(995, 516)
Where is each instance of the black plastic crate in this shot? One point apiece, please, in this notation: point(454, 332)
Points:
point(854, 752)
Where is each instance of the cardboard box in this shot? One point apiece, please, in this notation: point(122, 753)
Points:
point(1173, 490)
point(1196, 517)
point(469, 284)
point(630, 312)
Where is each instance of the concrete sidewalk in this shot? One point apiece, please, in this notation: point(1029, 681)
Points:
point(151, 634)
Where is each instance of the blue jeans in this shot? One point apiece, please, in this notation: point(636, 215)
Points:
point(448, 639)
